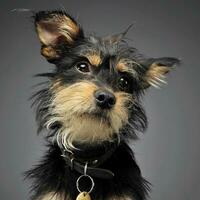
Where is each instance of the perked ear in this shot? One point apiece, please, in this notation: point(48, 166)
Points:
point(156, 69)
point(56, 29)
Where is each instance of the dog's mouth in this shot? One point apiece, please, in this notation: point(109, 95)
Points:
point(102, 116)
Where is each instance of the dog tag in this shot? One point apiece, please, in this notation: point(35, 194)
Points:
point(83, 196)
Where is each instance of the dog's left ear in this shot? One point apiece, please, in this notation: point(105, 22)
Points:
point(56, 30)
point(156, 69)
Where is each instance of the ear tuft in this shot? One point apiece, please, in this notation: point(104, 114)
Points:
point(54, 29)
point(113, 39)
point(157, 69)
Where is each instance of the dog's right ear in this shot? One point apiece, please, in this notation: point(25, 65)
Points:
point(56, 30)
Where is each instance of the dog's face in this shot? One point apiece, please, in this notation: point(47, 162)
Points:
point(93, 94)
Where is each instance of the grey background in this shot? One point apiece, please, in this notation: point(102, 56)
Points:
point(169, 152)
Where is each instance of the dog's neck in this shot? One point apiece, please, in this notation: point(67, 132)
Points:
point(92, 155)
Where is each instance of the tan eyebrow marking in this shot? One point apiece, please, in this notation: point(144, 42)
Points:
point(121, 67)
point(94, 58)
point(124, 66)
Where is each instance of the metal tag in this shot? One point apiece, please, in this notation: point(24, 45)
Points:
point(83, 196)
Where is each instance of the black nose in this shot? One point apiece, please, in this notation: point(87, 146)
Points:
point(104, 99)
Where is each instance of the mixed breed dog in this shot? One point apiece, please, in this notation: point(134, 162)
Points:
point(90, 105)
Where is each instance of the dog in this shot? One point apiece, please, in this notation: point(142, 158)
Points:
point(91, 107)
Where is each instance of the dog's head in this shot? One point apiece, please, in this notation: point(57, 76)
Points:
point(93, 93)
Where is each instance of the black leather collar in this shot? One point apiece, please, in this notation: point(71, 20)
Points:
point(93, 156)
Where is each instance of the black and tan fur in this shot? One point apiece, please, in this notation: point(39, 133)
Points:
point(67, 107)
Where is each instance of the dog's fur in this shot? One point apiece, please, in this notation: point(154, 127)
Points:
point(66, 107)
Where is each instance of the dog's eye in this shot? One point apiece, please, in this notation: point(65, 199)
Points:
point(124, 84)
point(83, 67)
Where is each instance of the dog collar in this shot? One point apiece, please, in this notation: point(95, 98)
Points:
point(92, 157)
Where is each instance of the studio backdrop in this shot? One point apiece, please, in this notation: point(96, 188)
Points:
point(169, 151)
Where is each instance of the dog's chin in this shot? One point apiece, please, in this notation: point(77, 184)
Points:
point(87, 128)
